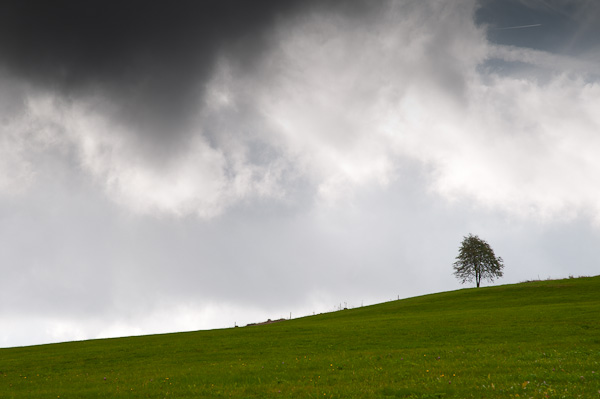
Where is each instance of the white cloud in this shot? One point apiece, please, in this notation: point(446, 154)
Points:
point(349, 101)
point(16, 173)
point(543, 59)
point(22, 139)
point(200, 180)
point(330, 82)
point(525, 148)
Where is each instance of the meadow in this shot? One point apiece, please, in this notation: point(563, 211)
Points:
point(537, 339)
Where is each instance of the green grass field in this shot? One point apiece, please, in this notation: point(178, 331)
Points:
point(530, 340)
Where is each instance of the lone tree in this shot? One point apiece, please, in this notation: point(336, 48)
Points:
point(476, 260)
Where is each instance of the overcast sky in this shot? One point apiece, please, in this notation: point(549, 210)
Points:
point(191, 165)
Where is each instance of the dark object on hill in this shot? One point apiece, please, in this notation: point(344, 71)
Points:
point(476, 260)
point(269, 321)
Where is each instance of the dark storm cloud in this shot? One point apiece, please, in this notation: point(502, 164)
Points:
point(151, 58)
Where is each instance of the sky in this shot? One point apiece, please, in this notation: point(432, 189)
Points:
point(181, 166)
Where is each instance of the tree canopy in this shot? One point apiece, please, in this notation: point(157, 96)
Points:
point(476, 261)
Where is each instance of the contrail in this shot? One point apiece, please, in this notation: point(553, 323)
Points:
point(519, 27)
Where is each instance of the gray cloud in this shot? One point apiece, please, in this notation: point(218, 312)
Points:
point(567, 27)
point(150, 60)
point(153, 48)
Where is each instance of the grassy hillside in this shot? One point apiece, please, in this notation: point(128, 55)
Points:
point(530, 340)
